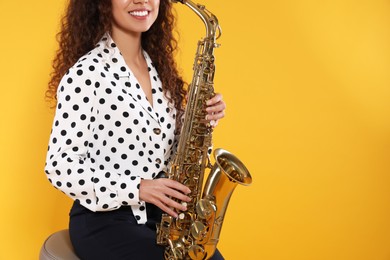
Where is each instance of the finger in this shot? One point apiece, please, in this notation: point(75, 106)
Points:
point(173, 204)
point(214, 123)
point(166, 209)
point(217, 98)
point(216, 107)
point(216, 116)
point(177, 195)
point(168, 205)
point(176, 185)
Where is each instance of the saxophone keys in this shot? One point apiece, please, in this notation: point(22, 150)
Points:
point(198, 230)
point(175, 252)
point(196, 252)
point(205, 209)
point(183, 220)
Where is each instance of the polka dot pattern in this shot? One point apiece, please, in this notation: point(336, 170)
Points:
point(106, 136)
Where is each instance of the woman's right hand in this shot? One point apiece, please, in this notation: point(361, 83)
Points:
point(160, 193)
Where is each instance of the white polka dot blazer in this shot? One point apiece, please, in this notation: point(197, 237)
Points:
point(106, 136)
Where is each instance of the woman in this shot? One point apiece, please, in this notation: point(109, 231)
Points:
point(119, 102)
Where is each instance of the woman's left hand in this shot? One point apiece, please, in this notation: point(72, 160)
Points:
point(215, 109)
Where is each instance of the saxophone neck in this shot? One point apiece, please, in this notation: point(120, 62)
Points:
point(213, 30)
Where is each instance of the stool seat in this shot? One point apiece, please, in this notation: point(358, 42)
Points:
point(58, 247)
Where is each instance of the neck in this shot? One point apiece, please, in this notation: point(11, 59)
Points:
point(129, 44)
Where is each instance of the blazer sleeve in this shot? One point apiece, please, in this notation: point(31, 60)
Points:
point(70, 164)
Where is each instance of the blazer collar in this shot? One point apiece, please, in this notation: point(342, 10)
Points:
point(115, 65)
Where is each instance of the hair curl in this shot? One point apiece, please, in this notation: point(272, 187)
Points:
point(85, 22)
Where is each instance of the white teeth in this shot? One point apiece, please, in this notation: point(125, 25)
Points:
point(139, 13)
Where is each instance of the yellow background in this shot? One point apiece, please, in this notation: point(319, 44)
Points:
point(307, 85)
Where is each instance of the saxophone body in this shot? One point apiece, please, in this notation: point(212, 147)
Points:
point(194, 234)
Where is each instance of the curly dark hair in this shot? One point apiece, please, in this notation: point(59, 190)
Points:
point(85, 22)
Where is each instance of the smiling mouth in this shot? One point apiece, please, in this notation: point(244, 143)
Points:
point(139, 13)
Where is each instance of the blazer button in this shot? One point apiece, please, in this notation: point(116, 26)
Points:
point(157, 131)
point(158, 160)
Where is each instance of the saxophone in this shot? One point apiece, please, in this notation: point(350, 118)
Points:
point(194, 234)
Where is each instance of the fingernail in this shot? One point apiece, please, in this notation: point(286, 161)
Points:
point(208, 102)
point(212, 122)
point(207, 117)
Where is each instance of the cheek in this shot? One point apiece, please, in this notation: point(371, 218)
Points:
point(120, 4)
point(117, 8)
point(156, 3)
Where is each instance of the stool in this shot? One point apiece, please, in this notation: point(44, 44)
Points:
point(58, 247)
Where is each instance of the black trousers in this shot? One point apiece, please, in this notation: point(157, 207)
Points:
point(115, 235)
